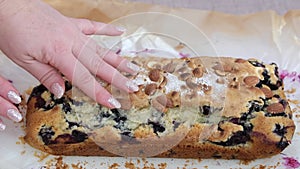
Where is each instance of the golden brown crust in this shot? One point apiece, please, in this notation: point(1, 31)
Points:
point(204, 107)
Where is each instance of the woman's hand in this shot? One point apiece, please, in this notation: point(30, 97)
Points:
point(8, 97)
point(46, 44)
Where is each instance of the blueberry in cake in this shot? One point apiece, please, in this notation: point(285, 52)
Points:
point(202, 107)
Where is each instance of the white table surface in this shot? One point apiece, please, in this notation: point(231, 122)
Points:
point(231, 6)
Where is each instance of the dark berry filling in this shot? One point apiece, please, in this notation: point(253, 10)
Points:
point(46, 134)
point(157, 127)
point(75, 137)
point(280, 130)
point(205, 110)
point(240, 137)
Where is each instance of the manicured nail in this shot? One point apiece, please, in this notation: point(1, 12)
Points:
point(121, 28)
point(14, 115)
point(2, 126)
point(133, 67)
point(132, 86)
point(14, 97)
point(57, 90)
point(114, 103)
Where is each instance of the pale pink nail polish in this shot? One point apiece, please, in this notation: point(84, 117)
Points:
point(14, 97)
point(114, 103)
point(132, 86)
point(133, 67)
point(121, 28)
point(14, 115)
point(57, 90)
point(2, 126)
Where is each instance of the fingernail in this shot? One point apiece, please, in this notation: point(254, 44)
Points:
point(14, 97)
point(114, 103)
point(132, 86)
point(14, 115)
point(57, 90)
point(121, 28)
point(2, 127)
point(133, 67)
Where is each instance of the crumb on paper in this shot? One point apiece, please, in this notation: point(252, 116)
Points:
point(41, 155)
point(114, 166)
point(129, 165)
point(291, 91)
point(245, 162)
point(23, 152)
point(77, 166)
point(60, 164)
point(162, 165)
point(294, 101)
point(21, 140)
point(267, 167)
point(298, 133)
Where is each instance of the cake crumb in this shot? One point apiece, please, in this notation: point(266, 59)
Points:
point(114, 166)
point(23, 152)
point(245, 162)
point(21, 140)
point(60, 164)
point(77, 166)
point(41, 155)
point(162, 166)
point(291, 91)
point(130, 165)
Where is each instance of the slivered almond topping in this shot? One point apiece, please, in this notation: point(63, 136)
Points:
point(224, 68)
point(192, 65)
point(158, 106)
point(163, 83)
point(191, 84)
point(198, 72)
point(218, 67)
point(154, 75)
point(220, 81)
point(170, 67)
point(251, 80)
point(154, 65)
point(268, 93)
point(184, 76)
point(150, 89)
point(275, 108)
point(164, 101)
point(239, 60)
point(220, 73)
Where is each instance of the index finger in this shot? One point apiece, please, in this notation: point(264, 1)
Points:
point(80, 76)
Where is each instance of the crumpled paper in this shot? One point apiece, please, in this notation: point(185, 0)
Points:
point(265, 35)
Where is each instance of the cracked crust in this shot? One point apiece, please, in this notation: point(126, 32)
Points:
point(221, 107)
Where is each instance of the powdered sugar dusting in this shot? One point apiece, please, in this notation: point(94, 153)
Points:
point(173, 84)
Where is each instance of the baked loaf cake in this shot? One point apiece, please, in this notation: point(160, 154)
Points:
point(202, 107)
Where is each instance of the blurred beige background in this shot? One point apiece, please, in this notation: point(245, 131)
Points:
point(231, 6)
